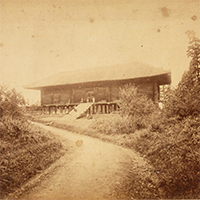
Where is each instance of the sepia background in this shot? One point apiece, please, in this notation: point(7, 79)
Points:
point(41, 37)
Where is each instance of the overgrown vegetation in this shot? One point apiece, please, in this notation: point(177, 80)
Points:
point(11, 102)
point(25, 149)
point(136, 112)
point(184, 100)
point(170, 138)
point(133, 103)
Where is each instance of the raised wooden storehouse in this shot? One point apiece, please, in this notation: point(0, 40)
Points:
point(100, 85)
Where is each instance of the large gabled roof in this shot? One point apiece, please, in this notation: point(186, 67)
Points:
point(108, 73)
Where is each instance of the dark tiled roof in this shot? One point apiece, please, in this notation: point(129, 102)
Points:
point(116, 72)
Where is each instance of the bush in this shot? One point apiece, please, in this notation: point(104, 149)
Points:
point(134, 103)
point(136, 112)
point(25, 150)
point(170, 139)
point(175, 154)
point(118, 124)
point(11, 102)
point(184, 100)
point(115, 124)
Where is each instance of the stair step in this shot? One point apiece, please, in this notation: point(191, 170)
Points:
point(79, 110)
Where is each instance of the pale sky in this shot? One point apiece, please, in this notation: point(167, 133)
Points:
point(39, 38)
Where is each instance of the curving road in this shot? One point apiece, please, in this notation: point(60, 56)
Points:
point(92, 169)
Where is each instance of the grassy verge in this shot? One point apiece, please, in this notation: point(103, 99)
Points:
point(172, 150)
point(170, 146)
point(25, 150)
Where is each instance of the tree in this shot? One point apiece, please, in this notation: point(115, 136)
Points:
point(184, 100)
point(11, 102)
point(194, 52)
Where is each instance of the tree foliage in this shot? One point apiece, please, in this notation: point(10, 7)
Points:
point(134, 103)
point(194, 52)
point(11, 102)
point(184, 100)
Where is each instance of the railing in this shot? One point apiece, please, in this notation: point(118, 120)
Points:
point(103, 108)
point(63, 109)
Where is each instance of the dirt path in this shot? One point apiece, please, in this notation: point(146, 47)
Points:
point(91, 171)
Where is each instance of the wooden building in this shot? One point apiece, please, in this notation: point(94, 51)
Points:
point(100, 84)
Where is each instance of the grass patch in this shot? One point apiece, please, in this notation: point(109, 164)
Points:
point(175, 155)
point(171, 147)
point(25, 150)
point(140, 182)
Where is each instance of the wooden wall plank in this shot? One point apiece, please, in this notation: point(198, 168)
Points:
point(106, 91)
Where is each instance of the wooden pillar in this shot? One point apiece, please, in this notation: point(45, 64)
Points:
point(158, 92)
point(113, 107)
point(91, 110)
point(155, 91)
point(60, 110)
point(43, 110)
point(67, 110)
point(103, 109)
point(41, 95)
point(87, 113)
point(98, 108)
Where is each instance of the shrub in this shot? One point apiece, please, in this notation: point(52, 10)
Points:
point(184, 100)
point(127, 124)
point(134, 103)
point(115, 124)
point(25, 150)
point(156, 122)
point(136, 112)
point(11, 102)
point(173, 148)
point(176, 157)
point(174, 154)
point(170, 139)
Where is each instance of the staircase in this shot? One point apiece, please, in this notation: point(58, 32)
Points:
point(79, 110)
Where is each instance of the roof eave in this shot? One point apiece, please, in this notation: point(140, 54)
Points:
point(163, 79)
